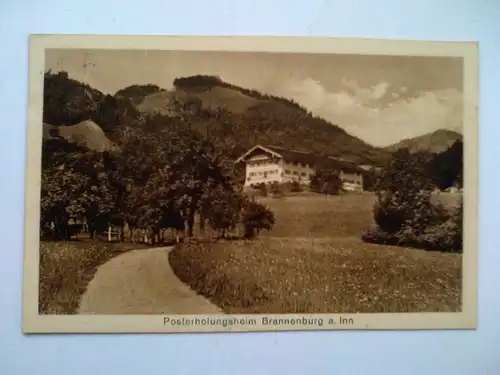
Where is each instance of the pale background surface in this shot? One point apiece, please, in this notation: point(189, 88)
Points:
point(470, 352)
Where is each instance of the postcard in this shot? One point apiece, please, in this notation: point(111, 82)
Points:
point(237, 184)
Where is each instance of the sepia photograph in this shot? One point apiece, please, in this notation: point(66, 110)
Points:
point(205, 184)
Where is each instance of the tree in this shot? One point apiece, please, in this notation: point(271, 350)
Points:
point(277, 189)
point(256, 217)
point(73, 187)
point(326, 181)
point(67, 101)
point(113, 112)
point(403, 193)
point(445, 169)
point(295, 187)
point(262, 188)
point(222, 207)
point(196, 170)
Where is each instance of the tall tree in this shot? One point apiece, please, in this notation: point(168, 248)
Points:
point(326, 181)
point(446, 168)
point(404, 195)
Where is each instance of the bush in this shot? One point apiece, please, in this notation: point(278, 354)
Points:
point(262, 188)
point(295, 187)
point(256, 217)
point(443, 234)
point(404, 214)
point(448, 235)
point(277, 190)
point(326, 182)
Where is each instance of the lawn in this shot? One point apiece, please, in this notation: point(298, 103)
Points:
point(67, 267)
point(313, 261)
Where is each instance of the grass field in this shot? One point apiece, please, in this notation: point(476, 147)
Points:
point(67, 267)
point(314, 261)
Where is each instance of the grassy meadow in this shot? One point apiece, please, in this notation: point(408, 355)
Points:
point(313, 261)
point(67, 267)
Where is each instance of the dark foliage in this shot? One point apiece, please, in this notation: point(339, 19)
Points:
point(445, 169)
point(256, 217)
point(326, 181)
point(137, 93)
point(404, 214)
point(67, 101)
point(114, 112)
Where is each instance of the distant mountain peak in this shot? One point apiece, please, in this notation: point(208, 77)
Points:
point(434, 142)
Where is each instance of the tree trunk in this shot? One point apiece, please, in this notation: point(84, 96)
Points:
point(202, 224)
point(190, 222)
point(249, 232)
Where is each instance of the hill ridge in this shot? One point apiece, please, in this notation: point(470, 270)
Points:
point(434, 142)
point(233, 117)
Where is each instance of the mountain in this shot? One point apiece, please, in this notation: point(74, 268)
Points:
point(233, 118)
point(86, 134)
point(435, 142)
point(247, 117)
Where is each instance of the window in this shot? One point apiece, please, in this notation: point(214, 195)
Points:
point(287, 171)
point(303, 174)
point(295, 172)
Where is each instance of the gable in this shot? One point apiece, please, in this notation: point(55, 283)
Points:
point(258, 152)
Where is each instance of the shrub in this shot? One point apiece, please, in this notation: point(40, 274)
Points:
point(277, 190)
point(295, 187)
point(262, 188)
point(256, 217)
point(404, 214)
point(326, 181)
point(448, 235)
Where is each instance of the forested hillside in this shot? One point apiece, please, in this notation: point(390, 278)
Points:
point(232, 117)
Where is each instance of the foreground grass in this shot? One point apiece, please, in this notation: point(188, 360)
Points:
point(67, 267)
point(299, 275)
point(313, 261)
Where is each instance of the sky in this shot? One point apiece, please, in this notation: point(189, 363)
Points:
point(379, 99)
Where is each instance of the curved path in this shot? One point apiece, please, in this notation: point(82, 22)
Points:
point(141, 282)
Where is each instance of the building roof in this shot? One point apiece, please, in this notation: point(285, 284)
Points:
point(294, 156)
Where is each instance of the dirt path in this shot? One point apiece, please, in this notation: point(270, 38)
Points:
point(141, 282)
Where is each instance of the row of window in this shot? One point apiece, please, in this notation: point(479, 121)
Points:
point(263, 173)
point(276, 171)
point(254, 163)
point(295, 173)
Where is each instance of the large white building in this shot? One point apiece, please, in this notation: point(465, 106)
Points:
point(268, 164)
